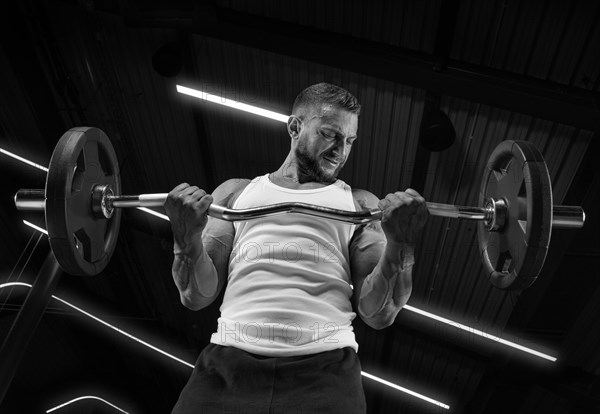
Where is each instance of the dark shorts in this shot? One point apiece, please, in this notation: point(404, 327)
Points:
point(229, 380)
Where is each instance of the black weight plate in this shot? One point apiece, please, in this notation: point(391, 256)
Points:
point(513, 256)
point(82, 243)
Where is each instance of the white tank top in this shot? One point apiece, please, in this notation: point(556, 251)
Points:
point(288, 290)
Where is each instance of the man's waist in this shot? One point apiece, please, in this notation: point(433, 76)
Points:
point(273, 338)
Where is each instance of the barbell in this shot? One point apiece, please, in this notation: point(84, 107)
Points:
point(82, 205)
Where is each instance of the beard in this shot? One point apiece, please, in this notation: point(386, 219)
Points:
point(308, 167)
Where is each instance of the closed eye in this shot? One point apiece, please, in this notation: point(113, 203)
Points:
point(328, 134)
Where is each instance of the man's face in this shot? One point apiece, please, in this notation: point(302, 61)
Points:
point(324, 142)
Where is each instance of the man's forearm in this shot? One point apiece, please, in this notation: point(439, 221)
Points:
point(195, 277)
point(387, 288)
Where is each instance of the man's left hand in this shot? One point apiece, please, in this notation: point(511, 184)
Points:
point(404, 215)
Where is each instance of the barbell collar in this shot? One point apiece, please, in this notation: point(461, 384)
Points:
point(498, 212)
point(100, 206)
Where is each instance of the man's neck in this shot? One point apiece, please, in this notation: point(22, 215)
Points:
point(292, 181)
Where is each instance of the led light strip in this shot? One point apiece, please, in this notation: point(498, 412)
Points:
point(480, 333)
point(33, 226)
point(205, 96)
point(114, 328)
point(86, 397)
point(406, 390)
point(26, 161)
point(128, 335)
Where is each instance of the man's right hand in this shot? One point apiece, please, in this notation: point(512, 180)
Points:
point(187, 208)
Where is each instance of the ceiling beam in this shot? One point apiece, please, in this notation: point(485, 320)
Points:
point(527, 95)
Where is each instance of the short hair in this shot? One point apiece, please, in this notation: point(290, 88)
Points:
point(326, 93)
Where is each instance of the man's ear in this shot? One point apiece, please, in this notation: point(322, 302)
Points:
point(294, 126)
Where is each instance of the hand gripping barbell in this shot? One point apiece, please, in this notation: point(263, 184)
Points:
point(82, 206)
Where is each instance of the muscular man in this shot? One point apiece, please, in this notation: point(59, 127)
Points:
point(284, 342)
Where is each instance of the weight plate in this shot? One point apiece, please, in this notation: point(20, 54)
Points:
point(82, 242)
point(513, 256)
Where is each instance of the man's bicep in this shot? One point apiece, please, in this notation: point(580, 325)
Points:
point(217, 238)
point(367, 244)
point(366, 248)
point(218, 235)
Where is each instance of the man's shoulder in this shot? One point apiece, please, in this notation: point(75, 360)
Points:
point(235, 184)
point(229, 190)
point(364, 200)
